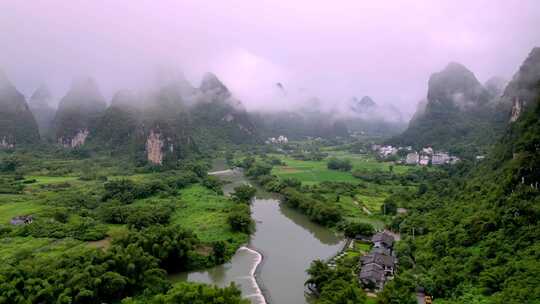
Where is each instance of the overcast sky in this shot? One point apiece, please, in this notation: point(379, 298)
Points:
point(330, 49)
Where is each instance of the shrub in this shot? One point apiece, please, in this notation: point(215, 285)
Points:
point(240, 219)
point(339, 164)
point(243, 194)
point(353, 229)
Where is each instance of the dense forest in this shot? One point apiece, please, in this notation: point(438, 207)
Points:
point(476, 230)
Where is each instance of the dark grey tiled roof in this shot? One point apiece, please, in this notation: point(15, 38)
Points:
point(372, 272)
point(379, 259)
point(383, 238)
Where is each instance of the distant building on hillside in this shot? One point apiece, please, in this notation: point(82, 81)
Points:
point(440, 158)
point(21, 220)
point(387, 151)
point(279, 140)
point(424, 160)
point(412, 158)
point(427, 151)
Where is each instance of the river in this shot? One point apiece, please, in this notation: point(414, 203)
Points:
point(287, 239)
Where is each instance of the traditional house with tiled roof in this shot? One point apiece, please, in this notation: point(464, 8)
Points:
point(372, 276)
point(386, 262)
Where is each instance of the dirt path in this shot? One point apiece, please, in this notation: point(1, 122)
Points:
point(220, 172)
point(366, 210)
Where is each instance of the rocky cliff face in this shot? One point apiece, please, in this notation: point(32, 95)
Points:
point(75, 141)
point(40, 105)
point(81, 106)
point(522, 90)
point(154, 148)
point(17, 124)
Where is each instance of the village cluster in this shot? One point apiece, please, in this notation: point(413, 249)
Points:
point(277, 140)
point(423, 157)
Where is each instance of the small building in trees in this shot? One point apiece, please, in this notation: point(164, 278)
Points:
point(21, 220)
point(412, 158)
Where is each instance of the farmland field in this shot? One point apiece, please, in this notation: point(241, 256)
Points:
point(365, 205)
point(311, 172)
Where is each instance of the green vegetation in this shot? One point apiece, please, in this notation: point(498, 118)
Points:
point(189, 293)
point(334, 285)
point(476, 230)
point(243, 194)
point(112, 234)
point(311, 172)
point(331, 197)
point(339, 164)
point(206, 212)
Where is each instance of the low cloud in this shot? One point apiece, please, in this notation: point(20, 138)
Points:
point(329, 51)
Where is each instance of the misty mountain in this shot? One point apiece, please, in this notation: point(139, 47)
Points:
point(218, 117)
point(463, 116)
point(299, 125)
point(458, 114)
point(77, 110)
point(166, 123)
point(117, 127)
point(490, 213)
point(364, 105)
point(40, 105)
point(366, 116)
point(17, 124)
point(522, 90)
point(495, 87)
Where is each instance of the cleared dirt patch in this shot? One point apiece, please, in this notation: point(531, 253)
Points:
point(104, 244)
point(289, 170)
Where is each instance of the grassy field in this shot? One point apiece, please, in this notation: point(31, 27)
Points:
point(205, 212)
point(370, 300)
point(15, 247)
point(311, 172)
point(17, 206)
point(40, 180)
point(352, 211)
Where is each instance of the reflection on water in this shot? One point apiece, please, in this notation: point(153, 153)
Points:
point(324, 235)
point(289, 242)
point(288, 248)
